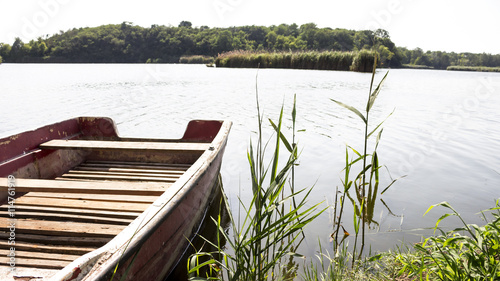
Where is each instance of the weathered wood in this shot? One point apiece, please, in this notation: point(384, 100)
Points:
point(36, 263)
point(62, 228)
point(118, 178)
point(48, 219)
point(40, 255)
point(54, 244)
point(127, 174)
point(95, 197)
point(128, 170)
point(55, 209)
point(124, 188)
point(125, 145)
point(68, 217)
point(147, 165)
point(82, 204)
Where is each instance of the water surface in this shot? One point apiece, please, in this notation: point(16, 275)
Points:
point(444, 134)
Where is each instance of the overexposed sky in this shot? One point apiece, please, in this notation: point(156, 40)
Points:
point(439, 25)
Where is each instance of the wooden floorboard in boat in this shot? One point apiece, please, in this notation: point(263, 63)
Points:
point(122, 188)
point(149, 164)
point(54, 244)
point(39, 255)
point(126, 174)
point(129, 170)
point(67, 217)
point(118, 178)
point(36, 263)
point(82, 204)
point(138, 165)
point(56, 209)
point(95, 197)
point(62, 228)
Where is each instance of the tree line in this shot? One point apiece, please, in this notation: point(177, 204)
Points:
point(128, 43)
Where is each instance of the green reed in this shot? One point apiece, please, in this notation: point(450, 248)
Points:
point(326, 60)
point(196, 59)
point(470, 252)
point(473, 68)
point(363, 190)
point(273, 222)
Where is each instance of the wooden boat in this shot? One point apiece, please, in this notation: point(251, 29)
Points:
point(89, 202)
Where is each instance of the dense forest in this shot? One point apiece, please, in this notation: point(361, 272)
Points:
point(128, 43)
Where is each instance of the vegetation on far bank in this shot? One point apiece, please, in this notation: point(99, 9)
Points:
point(128, 43)
point(417, 66)
point(361, 61)
point(474, 68)
point(196, 59)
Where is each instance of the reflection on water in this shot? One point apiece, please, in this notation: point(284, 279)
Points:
point(208, 230)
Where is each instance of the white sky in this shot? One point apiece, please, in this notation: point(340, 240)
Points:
point(446, 25)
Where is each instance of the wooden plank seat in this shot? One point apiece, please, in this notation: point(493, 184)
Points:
point(127, 145)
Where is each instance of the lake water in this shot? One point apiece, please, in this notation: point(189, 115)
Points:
point(444, 134)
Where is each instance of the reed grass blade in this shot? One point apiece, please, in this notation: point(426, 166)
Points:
point(352, 109)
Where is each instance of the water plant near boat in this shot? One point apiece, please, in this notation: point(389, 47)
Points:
point(363, 190)
point(269, 232)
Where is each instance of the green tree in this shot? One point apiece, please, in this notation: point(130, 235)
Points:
point(385, 55)
point(281, 29)
point(4, 50)
point(323, 39)
point(271, 39)
point(293, 30)
point(19, 50)
point(38, 48)
point(308, 33)
point(362, 40)
point(184, 23)
point(224, 41)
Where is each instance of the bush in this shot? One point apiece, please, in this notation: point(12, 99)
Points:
point(470, 252)
point(326, 60)
point(196, 59)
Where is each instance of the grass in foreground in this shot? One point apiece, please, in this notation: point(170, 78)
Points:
point(470, 252)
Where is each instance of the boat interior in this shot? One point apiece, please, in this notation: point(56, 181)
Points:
point(74, 194)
